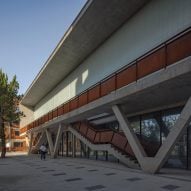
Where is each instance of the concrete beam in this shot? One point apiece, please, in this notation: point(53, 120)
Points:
point(169, 76)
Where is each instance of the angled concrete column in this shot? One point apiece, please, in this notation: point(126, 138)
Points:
point(130, 135)
point(174, 135)
point(153, 164)
point(58, 138)
point(50, 143)
point(30, 142)
point(41, 140)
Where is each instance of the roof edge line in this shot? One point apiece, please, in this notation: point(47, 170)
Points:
point(66, 34)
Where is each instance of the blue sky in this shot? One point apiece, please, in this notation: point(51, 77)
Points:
point(29, 32)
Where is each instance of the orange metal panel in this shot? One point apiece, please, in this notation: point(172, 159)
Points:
point(61, 110)
point(179, 49)
point(129, 150)
point(74, 104)
point(91, 134)
point(50, 115)
point(151, 63)
point(108, 86)
point(55, 113)
point(126, 76)
point(83, 99)
point(94, 93)
point(97, 137)
point(39, 121)
point(106, 136)
point(83, 128)
point(46, 117)
point(119, 141)
point(67, 107)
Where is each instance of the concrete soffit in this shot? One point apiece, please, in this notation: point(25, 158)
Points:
point(79, 42)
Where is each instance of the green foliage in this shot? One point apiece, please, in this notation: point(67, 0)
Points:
point(9, 98)
point(9, 102)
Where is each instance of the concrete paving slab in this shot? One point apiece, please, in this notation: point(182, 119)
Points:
point(23, 173)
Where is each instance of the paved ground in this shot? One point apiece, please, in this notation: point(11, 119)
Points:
point(22, 173)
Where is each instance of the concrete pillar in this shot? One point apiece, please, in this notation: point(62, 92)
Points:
point(174, 135)
point(50, 143)
point(58, 139)
point(153, 164)
point(30, 142)
point(130, 135)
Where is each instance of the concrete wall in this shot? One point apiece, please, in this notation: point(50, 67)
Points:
point(156, 22)
point(29, 115)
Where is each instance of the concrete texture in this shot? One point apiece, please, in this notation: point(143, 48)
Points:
point(153, 164)
point(97, 17)
point(138, 96)
point(130, 41)
point(23, 173)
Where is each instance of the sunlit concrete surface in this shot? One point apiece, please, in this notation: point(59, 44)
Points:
point(23, 173)
point(17, 153)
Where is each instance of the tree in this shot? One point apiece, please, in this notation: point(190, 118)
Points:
point(9, 105)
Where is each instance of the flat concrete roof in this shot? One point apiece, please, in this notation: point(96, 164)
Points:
point(95, 23)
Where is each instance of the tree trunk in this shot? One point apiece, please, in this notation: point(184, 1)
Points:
point(3, 141)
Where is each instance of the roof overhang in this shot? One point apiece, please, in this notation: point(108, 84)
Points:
point(95, 23)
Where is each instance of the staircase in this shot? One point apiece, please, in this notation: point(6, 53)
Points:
point(38, 141)
point(104, 140)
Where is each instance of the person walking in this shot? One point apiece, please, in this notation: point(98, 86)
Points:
point(43, 152)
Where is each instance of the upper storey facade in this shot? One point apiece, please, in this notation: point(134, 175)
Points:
point(66, 74)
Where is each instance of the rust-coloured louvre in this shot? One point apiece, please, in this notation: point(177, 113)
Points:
point(108, 86)
point(151, 63)
point(179, 49)
point(119, 140)
point(74, 104)
point(91, 134)
point(126, 76)
point(50, 115)
point(61, 110)
point(55, 113)
point(67, 107)
point(94, 93)
point(83, 99)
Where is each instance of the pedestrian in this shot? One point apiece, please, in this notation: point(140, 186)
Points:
point(43, 152)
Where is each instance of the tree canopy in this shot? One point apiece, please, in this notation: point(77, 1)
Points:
point(9, 104)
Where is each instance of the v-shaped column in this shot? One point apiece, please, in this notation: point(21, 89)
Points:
point(153, 164)
point(54, 147)
point(50, 142)
point(30, 142)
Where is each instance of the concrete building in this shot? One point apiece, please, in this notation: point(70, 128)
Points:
point(14, 142)
point(117, 86)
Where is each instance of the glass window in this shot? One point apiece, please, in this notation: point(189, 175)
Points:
point(150, 134)
point(178, 157)
point(150, 129)
point(16, 133)
point(169, 118)
point(135, 124)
